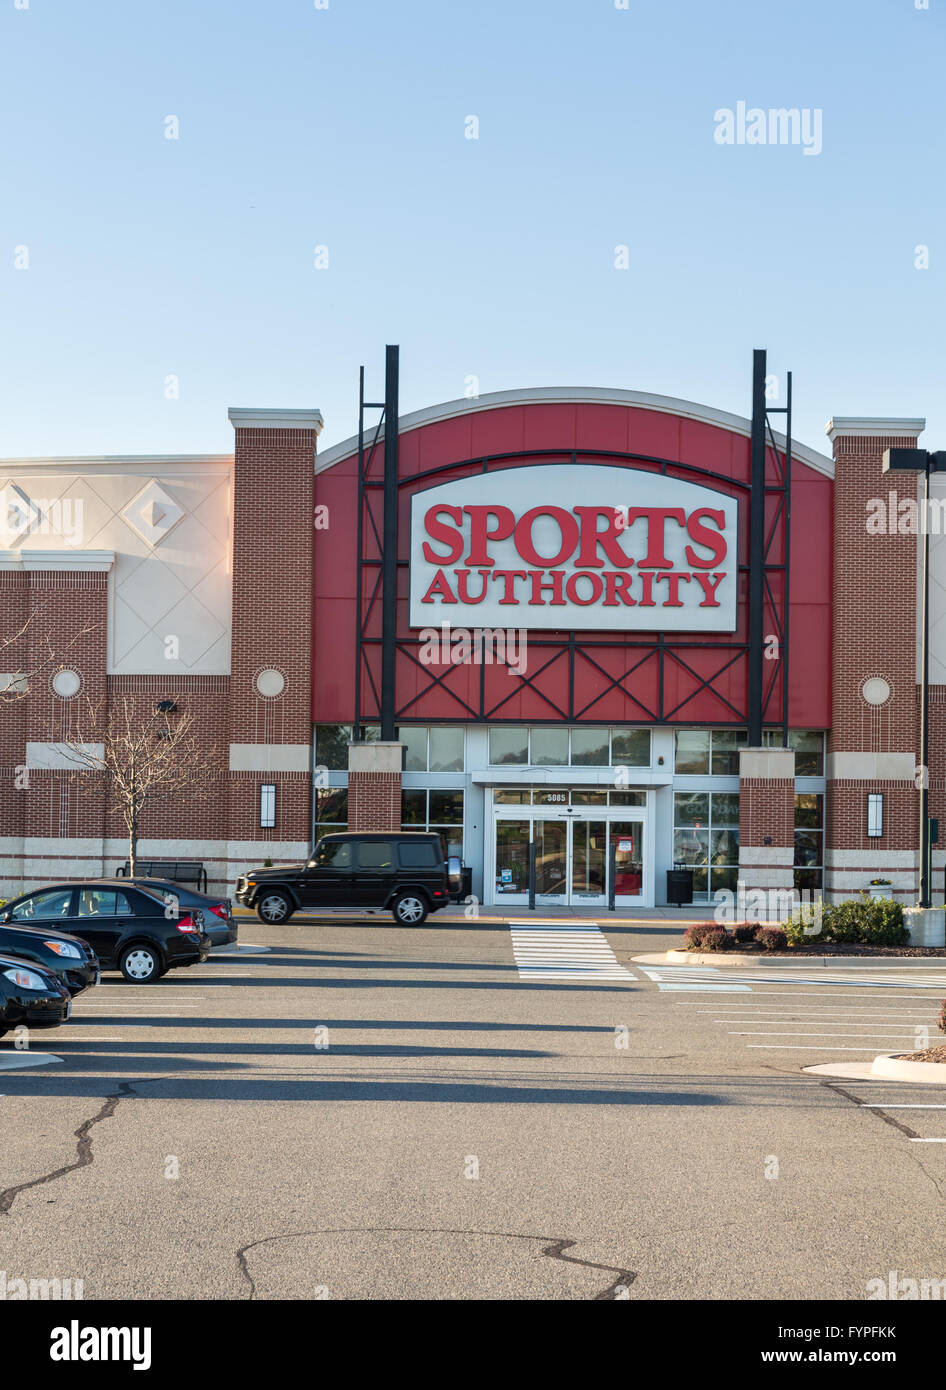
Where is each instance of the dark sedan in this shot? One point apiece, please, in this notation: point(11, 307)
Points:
point(70, 959)
point(128, 929)
point(219, 923)
point(30, 997)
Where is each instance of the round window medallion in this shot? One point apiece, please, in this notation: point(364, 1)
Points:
point(66, 683)
point(270, 683)
point(876, 691)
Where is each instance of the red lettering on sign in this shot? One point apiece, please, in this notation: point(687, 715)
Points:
point(704, 536)
point(480, 532)
point(566, 524)
point(441, 588)
point(463, 588)
point(616, 586)
point(597, 587)
point(657, 518)
point(592, 538)
point(509, 578)
point(556, 584)
point(710, 583)
point(449, 535)
point(673, 599)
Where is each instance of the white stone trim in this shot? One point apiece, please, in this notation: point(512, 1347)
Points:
point(253, 419)
point(879, 860)
point(58, 756)
point(766, 878)
point(270, 757)
point(872, 427)
point(767, 762)
point(574, 395)
point(73, 560)
point(767, 854)
point(871, 767)
point(375, 757)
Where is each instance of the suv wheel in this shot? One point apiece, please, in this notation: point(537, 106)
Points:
point(273, 908)
point(410, 909)
point(140, 965)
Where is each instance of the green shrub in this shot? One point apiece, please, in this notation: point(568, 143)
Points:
point(864, 920)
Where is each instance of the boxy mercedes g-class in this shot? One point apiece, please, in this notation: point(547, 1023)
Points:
point(404, 871)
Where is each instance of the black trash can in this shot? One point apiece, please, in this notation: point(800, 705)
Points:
point(466, 882)
point(679, 887)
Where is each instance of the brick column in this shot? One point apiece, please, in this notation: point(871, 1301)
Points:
point(374, 786)
point(873, 741)
point(271, 656)
point(767, 818)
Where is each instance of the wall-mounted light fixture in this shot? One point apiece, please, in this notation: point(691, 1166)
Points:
point(875, 815)
point(267, 805)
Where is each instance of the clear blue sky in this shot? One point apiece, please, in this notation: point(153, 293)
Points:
point(344, 127)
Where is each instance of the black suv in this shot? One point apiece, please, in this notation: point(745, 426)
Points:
point(129, 930)
point(401, 870)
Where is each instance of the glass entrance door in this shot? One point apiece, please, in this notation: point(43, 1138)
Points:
point(572, 858)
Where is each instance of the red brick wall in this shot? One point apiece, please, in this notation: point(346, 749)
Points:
point(767, 808)
point(272, 608)
point(374, 800)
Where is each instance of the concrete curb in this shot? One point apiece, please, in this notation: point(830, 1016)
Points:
point(717, 958)
point(886, 1067)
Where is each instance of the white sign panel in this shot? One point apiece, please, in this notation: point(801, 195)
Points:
point(574, 546)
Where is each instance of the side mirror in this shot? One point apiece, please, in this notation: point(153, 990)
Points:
point(6, 916)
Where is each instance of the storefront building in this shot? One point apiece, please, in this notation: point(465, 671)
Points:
point(585, 634)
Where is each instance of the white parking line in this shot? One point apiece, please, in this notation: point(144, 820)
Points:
point(570, 951)
point(887, 1105)
point(874, 1033)
point(928, 1141)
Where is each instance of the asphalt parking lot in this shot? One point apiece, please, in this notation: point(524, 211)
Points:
point(470, 1110)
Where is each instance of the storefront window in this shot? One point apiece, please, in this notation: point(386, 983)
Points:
point(446, 749)
point(331, 746)
point(706, 839)
point(508, 746)
point(589, 747)
point(512, 798)
point(331, 811)
point(809, 749)
point(630, 748)
point(415, 741)
point(414, 807)
point(512, 856)
point(809, 842)
point(725, 745)
point(548, 747)
point(692, 751)
point(440, 811)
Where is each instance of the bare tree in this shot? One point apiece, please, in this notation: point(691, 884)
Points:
point(16, 685)
point(148, 757)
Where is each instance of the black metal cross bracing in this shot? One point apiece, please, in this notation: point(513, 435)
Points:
point(760, 645)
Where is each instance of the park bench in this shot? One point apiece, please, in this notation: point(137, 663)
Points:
point(178, 871)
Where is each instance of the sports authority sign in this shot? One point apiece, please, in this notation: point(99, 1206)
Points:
point(574, 546)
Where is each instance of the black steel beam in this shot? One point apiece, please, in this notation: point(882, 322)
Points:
point(389, 595)
point(756, 550)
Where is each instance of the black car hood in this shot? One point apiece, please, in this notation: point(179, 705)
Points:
point(42, 933)
point(8, 962)
point(281, 872)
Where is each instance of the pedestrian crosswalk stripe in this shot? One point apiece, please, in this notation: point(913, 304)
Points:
point(547, 951)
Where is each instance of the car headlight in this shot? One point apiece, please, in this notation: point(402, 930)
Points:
point(64, 948)
point(26, 979)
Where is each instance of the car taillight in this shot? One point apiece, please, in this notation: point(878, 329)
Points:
point(219, 910)
point(186, 923)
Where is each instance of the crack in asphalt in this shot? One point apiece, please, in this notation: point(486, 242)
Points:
point(880, 1113)
point(84, 1154)
point(555, 1250)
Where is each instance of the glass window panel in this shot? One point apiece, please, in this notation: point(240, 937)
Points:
point(630, 748)
point(422, 855)
point(321, 830)
point(690, 846)
point(589, 747)
point(331, 746)
point(809, 752)
point(725, 807)
point(54, 902)
point(548, 747)
point(808, 880)
point(691, 808)
point(627, 798)
point(512, 856)
point(550, 837)
point(724, 847)
point(371, 733)
point(374, 854)
point(415, 741)
point(580, 798)
point(507, 746)
point(446, 749)
point(692, 751)
point(446, 807)
point(551, 797)
point(723, 878)
point(808, 847)
point(809, 810)
point(96, 902)
point(331, 804)
point(512, 798)
point(413, 807)
point(699, 882)
point(726, 745)
point(334, 854)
